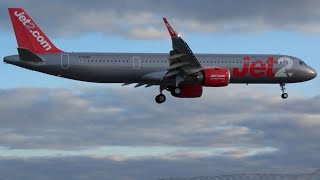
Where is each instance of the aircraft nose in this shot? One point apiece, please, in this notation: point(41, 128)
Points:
point(311, 73)
point(306, 73)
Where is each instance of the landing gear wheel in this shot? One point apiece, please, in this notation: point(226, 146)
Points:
point(160, 98)
point(284, 96)
point(175, 91)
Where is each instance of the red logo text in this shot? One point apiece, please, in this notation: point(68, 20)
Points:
point(257, 68)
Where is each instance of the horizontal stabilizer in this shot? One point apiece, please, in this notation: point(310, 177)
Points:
point(27, 55)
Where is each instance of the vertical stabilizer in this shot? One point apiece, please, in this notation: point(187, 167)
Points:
point(29, 35)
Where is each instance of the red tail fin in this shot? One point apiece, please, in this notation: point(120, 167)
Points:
point(28, 34)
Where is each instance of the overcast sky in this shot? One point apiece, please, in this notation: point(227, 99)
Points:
point(52, 128)
point(142, 19)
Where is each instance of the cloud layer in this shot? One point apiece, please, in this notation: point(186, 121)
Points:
point(58, 118)
point(107, 130)
point(142, 19)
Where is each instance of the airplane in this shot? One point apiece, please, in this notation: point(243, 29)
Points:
point(181, 72)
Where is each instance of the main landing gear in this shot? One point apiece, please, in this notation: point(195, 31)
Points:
point(175, 92)
point(283, 88)
point(161, 98)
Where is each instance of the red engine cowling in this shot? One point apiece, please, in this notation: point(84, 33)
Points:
point(216, 77)
point(190, 91)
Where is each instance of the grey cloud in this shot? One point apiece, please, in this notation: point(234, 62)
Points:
point(142, 19)
point(84, 117)
point(89, 117)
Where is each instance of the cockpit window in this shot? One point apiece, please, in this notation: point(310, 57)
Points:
point(302, 63)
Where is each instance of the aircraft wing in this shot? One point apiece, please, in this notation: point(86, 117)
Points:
point(182, 60)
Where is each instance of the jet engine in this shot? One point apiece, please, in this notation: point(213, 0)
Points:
point(215, 77)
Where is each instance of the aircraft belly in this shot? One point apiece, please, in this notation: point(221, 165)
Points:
point(104, 74)
point(263, 80)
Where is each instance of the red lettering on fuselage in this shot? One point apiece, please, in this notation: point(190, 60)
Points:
point(257, 68)
point(270, 63)
point(245, 68)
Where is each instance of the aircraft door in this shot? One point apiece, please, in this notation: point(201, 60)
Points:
point(136, 62)
point(65, 61)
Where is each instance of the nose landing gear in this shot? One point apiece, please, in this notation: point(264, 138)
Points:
point(283, 88)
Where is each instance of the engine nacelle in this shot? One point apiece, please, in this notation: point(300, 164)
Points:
point(215, 77)
point(190, 91)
